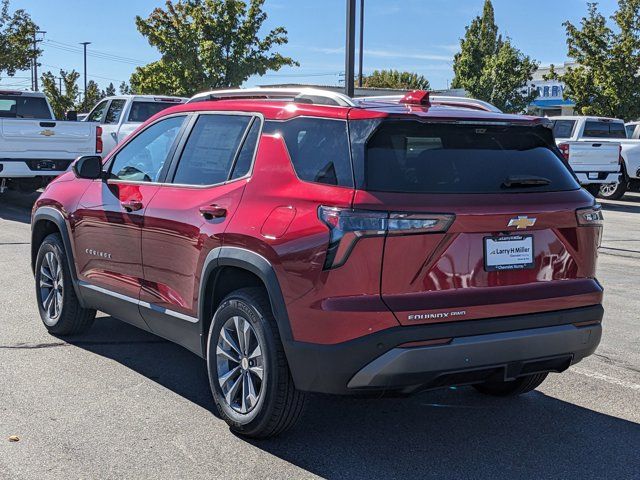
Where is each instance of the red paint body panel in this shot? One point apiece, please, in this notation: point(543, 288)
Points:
point(156, 254)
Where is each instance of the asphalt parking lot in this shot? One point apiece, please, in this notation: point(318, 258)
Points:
point(121, 403)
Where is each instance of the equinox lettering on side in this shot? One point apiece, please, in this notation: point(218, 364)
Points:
point(436, 316)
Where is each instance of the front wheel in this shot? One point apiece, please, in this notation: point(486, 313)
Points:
point(59, 307)
point(512, 388)
point(248, 371)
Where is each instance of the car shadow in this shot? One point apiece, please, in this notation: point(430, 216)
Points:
point(453, 433)
point(16, 206)
point(619, 206)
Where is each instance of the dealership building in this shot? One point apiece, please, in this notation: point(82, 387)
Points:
point(550, 101)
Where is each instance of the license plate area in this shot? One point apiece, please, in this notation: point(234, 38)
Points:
point(510, 252)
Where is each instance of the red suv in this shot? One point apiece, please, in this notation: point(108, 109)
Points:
point(303, 241)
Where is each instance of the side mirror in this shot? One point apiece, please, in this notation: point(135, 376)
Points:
point(72, 116)
point(89, 167)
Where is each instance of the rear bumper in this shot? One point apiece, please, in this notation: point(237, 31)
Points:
point(586, 178)
point(502, 348)
point(33, 167)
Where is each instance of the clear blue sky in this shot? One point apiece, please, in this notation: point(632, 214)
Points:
point(416, 35)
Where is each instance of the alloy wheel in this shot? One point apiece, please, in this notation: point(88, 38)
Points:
point(608, 189)
point(240, 364)
point(51, 288)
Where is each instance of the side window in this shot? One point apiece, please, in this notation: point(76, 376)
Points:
point(97, 112)
point(115, 111)
point(243, 162)
point(319, 150)
point(208, 155)
point(142, 159)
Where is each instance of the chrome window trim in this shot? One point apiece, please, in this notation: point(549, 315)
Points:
point(140, 303)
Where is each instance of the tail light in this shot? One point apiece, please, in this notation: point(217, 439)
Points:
point(590, 217)
point(564, 150)
point(347, 226)
point(98, 139)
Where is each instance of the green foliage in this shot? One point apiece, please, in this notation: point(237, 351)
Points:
point(605, 80)
point(16, 33)
point(110, 91)
point(92, 96)
point(207, 44)
point(396, 79)
point(490, 68)
point(125, 89)
point(61, 101)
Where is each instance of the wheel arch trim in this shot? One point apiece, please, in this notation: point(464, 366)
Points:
point(254, 263)
point(54, 215)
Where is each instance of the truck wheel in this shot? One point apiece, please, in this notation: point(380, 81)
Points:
point(613, 191)
point(58, 304)
point(593, 189)
point(248, 371)
point(511, 388)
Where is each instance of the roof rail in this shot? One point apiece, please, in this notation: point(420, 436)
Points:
point(462, 102)
point(314, 96)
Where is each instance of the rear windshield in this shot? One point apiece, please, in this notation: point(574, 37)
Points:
point(600, 129)
point(563, 128)
point(143, 111)
point(16, 106)
point(415, 157)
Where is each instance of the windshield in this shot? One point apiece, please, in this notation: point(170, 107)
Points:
point(604, 129)
point(416, 157)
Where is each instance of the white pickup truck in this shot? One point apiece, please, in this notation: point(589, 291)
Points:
point(120, 115)
point(34, 146)
point(592, 147)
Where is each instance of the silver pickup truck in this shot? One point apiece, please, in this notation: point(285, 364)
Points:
point(34, 146)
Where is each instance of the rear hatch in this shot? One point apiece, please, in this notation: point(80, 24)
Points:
point(482, 221)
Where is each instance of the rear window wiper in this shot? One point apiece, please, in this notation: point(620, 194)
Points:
point(524, 181)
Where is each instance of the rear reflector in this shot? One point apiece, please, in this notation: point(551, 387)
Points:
point(347, 226)
point(426, 343)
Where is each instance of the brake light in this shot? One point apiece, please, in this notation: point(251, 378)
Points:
point(347, 226)
point(590, 217)
point(564, 150)
point(416, 97)
point(98, 139)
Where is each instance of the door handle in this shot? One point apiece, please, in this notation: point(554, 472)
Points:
point(131, 205)
point(209, 212)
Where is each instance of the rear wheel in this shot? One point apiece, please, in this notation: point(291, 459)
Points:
point(248, 371)
point(58, 304)
point(593, 189)
point(613, 191)
point(512, 387)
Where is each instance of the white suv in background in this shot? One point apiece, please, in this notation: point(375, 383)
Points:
point(121, 115)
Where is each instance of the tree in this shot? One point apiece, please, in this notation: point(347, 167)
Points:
point(491, 68)
point(606, 79)
point(207, 44)
point(61, 100)
point(91, 96)
point(125, 89)
point(16, 37)
point(110, 91)
point(396, 79)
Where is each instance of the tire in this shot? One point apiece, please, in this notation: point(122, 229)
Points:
point(613, 191)
point(512, 388)
point(62, 314)
point(234, 366)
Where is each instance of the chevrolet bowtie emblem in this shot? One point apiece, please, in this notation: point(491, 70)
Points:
point(522, 222)
point(47, 133)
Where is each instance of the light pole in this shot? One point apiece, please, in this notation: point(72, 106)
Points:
point(350, 48)
point(361, 43)
point(35, 58)
point(84, 44)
